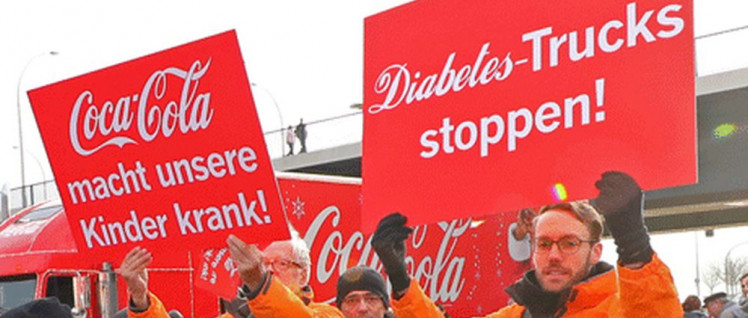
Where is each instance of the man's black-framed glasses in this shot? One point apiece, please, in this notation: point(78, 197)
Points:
point(566, 244)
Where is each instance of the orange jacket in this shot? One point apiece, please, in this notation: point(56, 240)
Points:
point(275, 300)
point(157, 309)
point(645, 292)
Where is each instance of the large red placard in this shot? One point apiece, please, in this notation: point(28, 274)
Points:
point(164, 151)
point(490, 106)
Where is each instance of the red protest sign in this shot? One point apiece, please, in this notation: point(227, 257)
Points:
point(164, 150)
point(470, 110)
point(216, 272)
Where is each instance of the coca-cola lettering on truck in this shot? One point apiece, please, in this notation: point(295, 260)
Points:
point(396, 85)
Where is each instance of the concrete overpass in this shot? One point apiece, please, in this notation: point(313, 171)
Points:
point(719, 199)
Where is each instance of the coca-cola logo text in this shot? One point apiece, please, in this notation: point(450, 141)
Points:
point(154, 116)
point(441, 273)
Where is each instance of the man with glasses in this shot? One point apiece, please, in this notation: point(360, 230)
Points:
point(274, 281)
point(362, 293)
point(569, 279)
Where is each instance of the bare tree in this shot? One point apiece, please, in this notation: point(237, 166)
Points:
point(717, 273)
point(735, 268)
point(712, 277)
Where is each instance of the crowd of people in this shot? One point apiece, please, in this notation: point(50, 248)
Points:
point(568, 278)
point(718, 305)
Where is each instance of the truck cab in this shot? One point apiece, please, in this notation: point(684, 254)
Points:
point(38, 259)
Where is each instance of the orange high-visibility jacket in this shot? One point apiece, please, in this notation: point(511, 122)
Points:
point(275, 300)
point(645, 292)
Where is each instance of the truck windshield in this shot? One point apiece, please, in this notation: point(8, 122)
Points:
point(16, 290)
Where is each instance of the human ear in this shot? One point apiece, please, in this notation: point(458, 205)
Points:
point(596, 253)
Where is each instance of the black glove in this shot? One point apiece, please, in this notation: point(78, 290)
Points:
point(389, 244)
point(621, 201)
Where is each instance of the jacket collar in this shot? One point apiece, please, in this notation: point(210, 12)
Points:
point(306, 294)
point(587, 293)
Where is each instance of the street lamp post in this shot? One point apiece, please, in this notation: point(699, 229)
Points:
point(277, 108)
point(20, 128)
point(41, 168)
point(698, 279)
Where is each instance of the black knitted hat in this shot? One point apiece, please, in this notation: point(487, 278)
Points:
point(362, 278)
point(40, 308)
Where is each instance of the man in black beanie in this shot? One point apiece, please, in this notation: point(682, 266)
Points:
point(362, 293)
point(40, 308)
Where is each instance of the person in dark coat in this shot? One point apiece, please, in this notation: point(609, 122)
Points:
point(692, 307)
point(720, 306)
point(40, 308)
point(301, 133)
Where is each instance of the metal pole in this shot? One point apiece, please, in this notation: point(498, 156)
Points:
point(4, 203)
point(698, 273)
point(107, 291)
point(44, 175)
point(277, 108)
point(727, 271)
point(20, 127)
point(41, 168)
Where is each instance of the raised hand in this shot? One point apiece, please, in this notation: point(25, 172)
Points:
point(248, 259)
point(524, 223)
point(621, 201)
point(389, 243)
point(133, 271)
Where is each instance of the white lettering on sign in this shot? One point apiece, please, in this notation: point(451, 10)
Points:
point(110, 123)
point(123, 181)
point(126, 180)
point(201, 168)
point(397, 84)
point(519, 123)
point(209, 269)
point(442, 272)
point(227, 216)
point(98, 231)
point(607, 40)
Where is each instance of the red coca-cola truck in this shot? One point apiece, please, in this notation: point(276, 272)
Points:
point(462, 264)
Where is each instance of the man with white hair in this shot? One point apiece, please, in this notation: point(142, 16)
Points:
point(275, 281)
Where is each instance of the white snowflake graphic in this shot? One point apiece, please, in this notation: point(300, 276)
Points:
point(298, 208)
